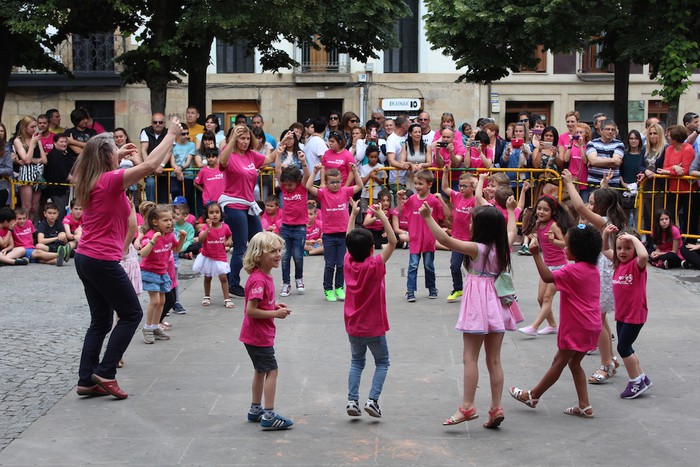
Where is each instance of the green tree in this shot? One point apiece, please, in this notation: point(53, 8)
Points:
point(489, 43)
point(178, 36)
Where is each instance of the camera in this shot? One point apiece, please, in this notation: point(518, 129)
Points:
point(442, 144)
point(517, 143)
point(474, 143)
point(576, 137)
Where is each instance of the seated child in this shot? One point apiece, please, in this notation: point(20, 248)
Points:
point(23, 236)
point(9, 253)
point(50, 235)
point(271, 219)
point(371, 171)
point(191, 247)
point(373, 223)
point(72, 223)
point(399, 222)
point(313, 245)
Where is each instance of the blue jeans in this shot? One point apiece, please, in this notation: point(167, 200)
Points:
point(294, 238)
point(428, 265)
point(108, 290)
point(456, 261)
point(163, 196)
point(243, 227)
point(380, 352)
point(333, 254)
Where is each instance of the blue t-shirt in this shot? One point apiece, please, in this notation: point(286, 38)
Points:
point(180, 153)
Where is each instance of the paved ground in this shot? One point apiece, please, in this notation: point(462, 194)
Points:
point(188, 396)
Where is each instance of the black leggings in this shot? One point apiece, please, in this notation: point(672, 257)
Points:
point(674, 261)
point(626, 335)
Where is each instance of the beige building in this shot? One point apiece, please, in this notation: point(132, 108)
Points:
point(411, 78)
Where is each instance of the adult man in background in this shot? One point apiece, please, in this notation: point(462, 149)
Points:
point(150, 138)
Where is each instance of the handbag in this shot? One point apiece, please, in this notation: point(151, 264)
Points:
point(505, 289)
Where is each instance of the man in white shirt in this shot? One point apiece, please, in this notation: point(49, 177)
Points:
point(394, 144)
point(424, 121)
point(315, 145)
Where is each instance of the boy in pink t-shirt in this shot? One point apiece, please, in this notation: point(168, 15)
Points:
point(422, 240)
point(73, 221)
point(366, 320)
point(334, 203)
point(9, 253)
point(313, 244)
point(23, 237)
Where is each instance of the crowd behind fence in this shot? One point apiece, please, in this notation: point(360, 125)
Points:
point(651, 194)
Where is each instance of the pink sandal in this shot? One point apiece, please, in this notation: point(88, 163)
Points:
point(467, 414)
point(496, 417)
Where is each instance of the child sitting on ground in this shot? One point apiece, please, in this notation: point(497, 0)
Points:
point(23, 236)
point(73, 221)
point(51, 237)
point(271, 218)
point(191, 247)
point(9, 253)
point(366, 320)
point(313, 245)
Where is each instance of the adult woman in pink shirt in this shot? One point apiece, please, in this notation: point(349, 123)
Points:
point(240, 163)
point(108, 225)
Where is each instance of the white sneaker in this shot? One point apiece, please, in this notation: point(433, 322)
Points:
point(285, 290)
point(353, 409)
point(300, 285)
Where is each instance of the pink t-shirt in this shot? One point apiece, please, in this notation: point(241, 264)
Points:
point(259, 331)
point(266, 220)
point(377, 224)
point(172, 272)
point(666, 244)
point(460, 150)
point(214, 246)
point(551, 254)
point(475, 158)
point(295, 208)
point(338, 160)
point(462, 215)
point(157, 260)
point(74, 224)
point(422, 240)
point(23, 236)
point(313, 231)
point(579, 307)
point(212, 183)
point(335, 208)
point(629, 285)
point(365, 297)
point(240, 176)
point(579, 170)
point(47, 143)
point(106, 220)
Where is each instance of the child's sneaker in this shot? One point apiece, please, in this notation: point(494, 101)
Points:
point(524, 251)
point(285, 290)
point(634, 390)
point(685, 265)
point(330, 296)
point(275, 422)
point(433, 294)
point(61, 254)
point(160, 335)
point(255, 417)
point(647, 381)
point(528, 330)
point(340, 293)
point(372, 408)
point(23, 261)
point(454, 296)
point(148, 336)
point(178, 309)
point(548, 330)
point(353, 409)
point(66, 252)
point(410, 297)
point(300, 285)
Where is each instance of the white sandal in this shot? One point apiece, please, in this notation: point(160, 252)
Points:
point(517, 393)
point(206, 301)
point(228, 303)
point(579, 412)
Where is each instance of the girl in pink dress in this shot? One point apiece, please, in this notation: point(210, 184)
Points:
point(549, 222)
point(483, 317)
point(579, 315)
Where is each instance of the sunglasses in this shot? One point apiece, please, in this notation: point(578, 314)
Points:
point(333, 118)
point(185, 134)
point(354, 120)
point(158, 122)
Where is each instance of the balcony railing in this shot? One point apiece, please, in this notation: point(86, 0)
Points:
point(320, 61)
point(92, 54)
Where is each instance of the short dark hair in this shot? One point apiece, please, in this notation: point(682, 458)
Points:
point(50, 112)
point(58, 136)
point(320, 124)
point(584, 242)
point(7, 214)
point(50, 205)
point(359, 243)
point(689, 116)
point(78, 115)
point(291, 173)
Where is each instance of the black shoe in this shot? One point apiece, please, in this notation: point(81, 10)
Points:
point(236, 290)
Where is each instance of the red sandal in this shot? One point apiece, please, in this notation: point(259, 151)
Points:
point(467, 414)
point(495, 418)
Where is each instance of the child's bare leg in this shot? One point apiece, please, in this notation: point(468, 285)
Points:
point(44, 256)
point(224, 285)
point(605, 347)
point(632, 365)
point(270, 388)
point(545, 295)
point(470, 355)
point(492, 348)
point(41, 246)
point(579, 377)
point(257, 388)
point(155, 306)
point(316, 251)
point(207, 286)
point(561, 359)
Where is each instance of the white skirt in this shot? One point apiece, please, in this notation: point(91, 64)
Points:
point(210, 267)
point(131, 265)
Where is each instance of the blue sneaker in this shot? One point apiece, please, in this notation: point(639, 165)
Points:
point(410, 297)
point(647, 381)
point(276, 422)
point(255, 417)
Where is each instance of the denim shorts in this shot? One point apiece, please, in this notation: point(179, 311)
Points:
point(263, 358)
point(153, 282)
point(28, 253)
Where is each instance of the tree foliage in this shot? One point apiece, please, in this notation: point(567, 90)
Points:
point(489, 41)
